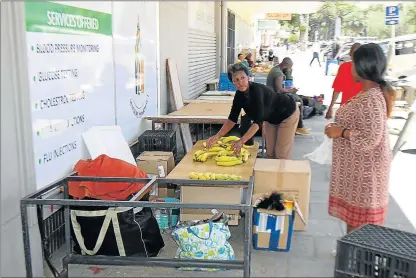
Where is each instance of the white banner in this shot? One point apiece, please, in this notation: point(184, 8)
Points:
point(135, 55)
point(71, 81)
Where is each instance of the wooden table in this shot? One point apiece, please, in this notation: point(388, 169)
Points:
point(207, 109)
point(218, 93)
point(181, 171)
point(210, 99)
point(196, 113)
point(218, 194)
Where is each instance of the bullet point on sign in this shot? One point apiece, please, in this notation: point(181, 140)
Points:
point(40, 161)
point(37, 133)
point(33, 48)
point(34, 78)
point(36, 106)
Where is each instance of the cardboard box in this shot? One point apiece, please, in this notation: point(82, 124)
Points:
point(160, 164)
point(273, 230)
point(204, 194)
point(290, 177)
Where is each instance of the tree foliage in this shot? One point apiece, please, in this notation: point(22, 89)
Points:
point(356, 21)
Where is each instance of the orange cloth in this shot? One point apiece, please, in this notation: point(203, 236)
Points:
point(344, 82)
point(105, 166)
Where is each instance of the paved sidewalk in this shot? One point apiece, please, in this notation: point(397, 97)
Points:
point(311, 250)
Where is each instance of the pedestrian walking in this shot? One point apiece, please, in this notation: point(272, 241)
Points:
point(316, 50)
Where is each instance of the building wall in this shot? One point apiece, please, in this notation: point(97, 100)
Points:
point(173, 41)
point(17, 162)
point(244, 36)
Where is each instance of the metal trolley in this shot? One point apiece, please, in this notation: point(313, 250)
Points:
point(36, 198)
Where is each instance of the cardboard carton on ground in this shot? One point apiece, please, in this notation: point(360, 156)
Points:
point(204, 194)
point(290, 177)
point(272, 229)
point(160, 164)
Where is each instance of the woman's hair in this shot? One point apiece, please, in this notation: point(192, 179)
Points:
point(235, 68)
point(371, 64)
point(241, 54)
point(248, 55)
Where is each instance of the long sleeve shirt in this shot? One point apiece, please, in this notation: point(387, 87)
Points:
point(261, 103)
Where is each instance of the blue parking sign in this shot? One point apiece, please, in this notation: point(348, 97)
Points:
point(392, 15)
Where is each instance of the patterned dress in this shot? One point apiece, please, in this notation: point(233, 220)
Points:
point(360, 166)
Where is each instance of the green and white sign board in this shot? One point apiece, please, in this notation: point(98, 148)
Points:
point(71, 75)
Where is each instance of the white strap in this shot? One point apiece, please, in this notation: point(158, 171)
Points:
point(77, 228)
point(117, 234)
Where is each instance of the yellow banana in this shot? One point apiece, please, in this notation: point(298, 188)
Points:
point(248, 147)
point(204, 144)
point(219, 177)
point(201, 176)
point(226, 158)
point(245, 157)
point(229, 163)
point(216, 149)
point(225, 140)
point(193, 176)
point(197, 153)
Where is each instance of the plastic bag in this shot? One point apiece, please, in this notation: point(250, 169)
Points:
point(323, 153)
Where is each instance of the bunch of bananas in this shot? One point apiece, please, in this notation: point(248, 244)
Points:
point(213, 176)
point(223, 152)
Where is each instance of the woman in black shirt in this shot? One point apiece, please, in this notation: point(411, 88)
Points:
point(279, 113)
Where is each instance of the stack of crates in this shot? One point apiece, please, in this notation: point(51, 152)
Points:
point(376, 251)
point(225, 84)
point(157, 140)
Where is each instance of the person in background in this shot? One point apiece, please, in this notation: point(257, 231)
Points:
point(275, 81)
point(250, 60)
point(271, 56)
point(277, 113)
point(344, 82)
point(361, 156)
point(240, 58)
point(316, 50)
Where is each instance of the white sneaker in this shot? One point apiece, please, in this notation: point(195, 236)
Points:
point(334, 252)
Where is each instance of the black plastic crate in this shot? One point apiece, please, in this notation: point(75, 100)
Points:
point(54, 227)
point(157, 140)
point(376, 251)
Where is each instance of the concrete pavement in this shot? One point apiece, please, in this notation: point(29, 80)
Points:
point(311, 250)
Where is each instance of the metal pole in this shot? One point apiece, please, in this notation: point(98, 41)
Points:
point(67, 220)
point(247, 239)
point(26, 239)
point(248, 229)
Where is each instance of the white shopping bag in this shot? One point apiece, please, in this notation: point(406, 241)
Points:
point(323, 153)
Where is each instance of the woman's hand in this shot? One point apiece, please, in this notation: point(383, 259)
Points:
point(236, 147)
point(212, 140)
point(333, 131)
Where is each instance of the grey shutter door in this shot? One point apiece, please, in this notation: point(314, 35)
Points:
point(202, 56)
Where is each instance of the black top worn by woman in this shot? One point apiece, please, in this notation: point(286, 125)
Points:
point(262, 104)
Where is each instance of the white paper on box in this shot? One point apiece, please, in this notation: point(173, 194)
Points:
point(108, 140)
point(161, 171)
point(281, 224)
point(262, 222)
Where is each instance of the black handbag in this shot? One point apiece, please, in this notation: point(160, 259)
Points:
point(115, 231)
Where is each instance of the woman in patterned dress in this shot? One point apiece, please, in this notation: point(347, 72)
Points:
point(361, 150)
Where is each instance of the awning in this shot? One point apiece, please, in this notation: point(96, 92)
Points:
point(251, 9)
